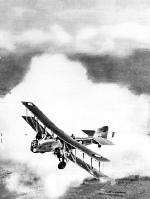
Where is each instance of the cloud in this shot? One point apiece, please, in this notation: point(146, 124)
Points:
point(119, 40)
point(131, 71)
point(6, 40)
point(22, 11)
point(55, 35)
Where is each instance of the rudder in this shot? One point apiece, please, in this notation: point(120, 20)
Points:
point(102, 132)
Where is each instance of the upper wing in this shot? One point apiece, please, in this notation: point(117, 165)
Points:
point(36, 126)
point(38, 113)
point(34, 123)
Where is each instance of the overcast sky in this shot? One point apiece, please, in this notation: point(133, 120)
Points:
point(117, 29)
point(95, 24)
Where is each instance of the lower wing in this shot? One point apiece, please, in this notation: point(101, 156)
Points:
point(102, 141)
point(97, 174)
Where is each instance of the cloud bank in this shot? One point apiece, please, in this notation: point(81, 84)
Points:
point(114, 54)
point(131, 71)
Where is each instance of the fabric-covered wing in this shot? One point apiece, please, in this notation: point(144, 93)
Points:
point(103, 141)
point(35, 125)
point(63, 136)
point(97, 174)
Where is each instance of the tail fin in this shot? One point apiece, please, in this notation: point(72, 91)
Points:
point(102, 132)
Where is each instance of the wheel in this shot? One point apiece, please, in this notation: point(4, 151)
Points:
point(61, 165)
point(99, 146)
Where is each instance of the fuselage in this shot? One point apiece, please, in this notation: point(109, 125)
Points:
point(93, 140)
point(85, 140)
point(41, 146)
point(50, 145)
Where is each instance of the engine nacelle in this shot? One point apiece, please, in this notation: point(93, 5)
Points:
point(34, 145)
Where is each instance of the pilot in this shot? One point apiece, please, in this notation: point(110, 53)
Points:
point(73, 136)
point(38, 136)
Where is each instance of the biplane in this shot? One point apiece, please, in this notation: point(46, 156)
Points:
point(49, 138)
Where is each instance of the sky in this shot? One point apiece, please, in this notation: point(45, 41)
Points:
point(85, 64)
point(112, 34)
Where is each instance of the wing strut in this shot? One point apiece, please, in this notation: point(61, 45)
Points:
point(99, 165)
point(91, 162)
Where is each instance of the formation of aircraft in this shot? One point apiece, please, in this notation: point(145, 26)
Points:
point(49, 138)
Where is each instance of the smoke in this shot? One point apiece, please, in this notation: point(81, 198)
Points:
point(13, 67)
point(5, 194)
point(131, 71)
point(22, 181)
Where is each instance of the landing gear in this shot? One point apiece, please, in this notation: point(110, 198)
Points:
point(60, 155)
point(58, 152)
point(62, 165)
point(99, 146)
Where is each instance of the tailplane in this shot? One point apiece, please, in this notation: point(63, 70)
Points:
point(102, 132)
point(90, 133)
point(100, 136)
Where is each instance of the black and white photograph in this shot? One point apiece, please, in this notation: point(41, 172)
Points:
point(74, 99)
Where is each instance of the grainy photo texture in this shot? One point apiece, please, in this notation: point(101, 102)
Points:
point(78, 71)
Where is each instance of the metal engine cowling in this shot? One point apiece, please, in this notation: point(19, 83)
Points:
point(34, 145)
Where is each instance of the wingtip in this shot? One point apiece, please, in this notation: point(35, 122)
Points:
point(105, 160)
point(27, 103)
point(100, 158)
point(24, 103)
point(112, 143)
